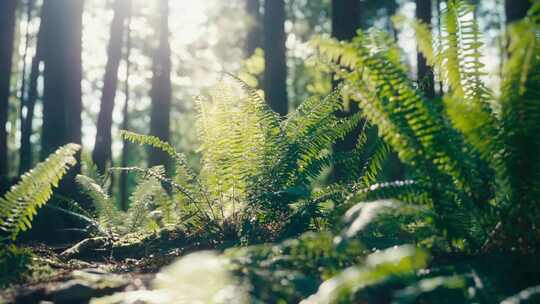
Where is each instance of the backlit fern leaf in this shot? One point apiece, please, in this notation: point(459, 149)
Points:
point(20, 204)
point(108, 214)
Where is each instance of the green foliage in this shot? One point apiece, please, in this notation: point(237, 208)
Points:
point(150, 208)
point(14, 263)
point(21, 202)
point(320, 268)
point(291, 270)
point(313, 268)
point(104, 206)
point(377, 267)
point(473, 155)
point(257, 169)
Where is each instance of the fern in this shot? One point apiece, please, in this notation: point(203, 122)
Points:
point(108, 215)
point(464, 148)
point(149, 210)
point(255, 164)
point(20, 204)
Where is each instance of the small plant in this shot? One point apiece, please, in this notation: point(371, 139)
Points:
point(150, 208)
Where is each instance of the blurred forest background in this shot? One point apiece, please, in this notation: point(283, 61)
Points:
point(79, 71)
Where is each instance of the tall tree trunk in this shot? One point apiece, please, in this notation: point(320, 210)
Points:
point(516, 9)
point(345, 19)
point(161, 88)
point(62, 80)
point(425, 73)
point(7, 33)
point(275, 74)
point(253, 39)
point(102, 153)
point(23, 92)
point(26, 158)
point(125, 112)
point(345, 23)
point(62, 74)
point(29, 97)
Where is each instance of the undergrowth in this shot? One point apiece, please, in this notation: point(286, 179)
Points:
point(470, 200)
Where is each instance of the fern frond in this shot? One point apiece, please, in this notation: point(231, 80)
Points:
point(21, 202)
point(141, 201)
point(520, 113)
point(107, 213)
point(149, 140)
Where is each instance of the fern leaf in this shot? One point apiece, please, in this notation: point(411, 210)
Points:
point(20, 204)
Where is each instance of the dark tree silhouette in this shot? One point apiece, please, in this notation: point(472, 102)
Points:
point(345, 19)
point(62, 106)
point(125, 112)
point(29, 97)
point(253, 39)
point(7, 30)
point(102, 153)
point(62, 74)
point(161, 88)
point(345, 23)
point(425, 73)
point(516, 9)
point(275, 74)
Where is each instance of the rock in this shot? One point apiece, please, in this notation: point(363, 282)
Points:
point(73, 292)
point(30, 296)
point(82, 285)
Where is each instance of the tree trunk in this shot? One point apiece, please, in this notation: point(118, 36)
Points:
point(253, 39)
point(7, 33)
point(125, 121)
point(29, 101)
point(102, 153)
point(275, 74)
point(516, 9)
point(425, 74)
point(62, 73)
point(345, 19)
point(23, 91)
point(161, 89)
point(345, 23)
point(62, 81)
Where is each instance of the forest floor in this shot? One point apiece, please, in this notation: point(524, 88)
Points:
point(57, 280)
point(60, 275)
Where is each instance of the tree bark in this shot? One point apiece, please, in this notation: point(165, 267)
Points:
point(161, 89)
point(516, 9)
point(7, 33)
point(125, 121)
point(29, 101)
point(425, 76)
point(62, 103)
point(275, 74)
point(102, 153)
point(23, 91)
point(253, 39)
point(62, 74)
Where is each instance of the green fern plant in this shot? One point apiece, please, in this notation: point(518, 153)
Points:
point(149, 210)
point(21, 203)
point(258, 168)
point(474, 154)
